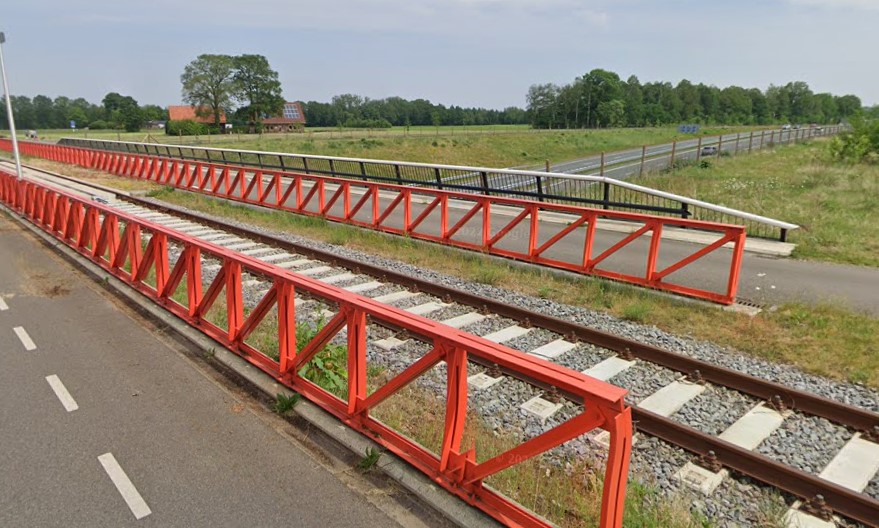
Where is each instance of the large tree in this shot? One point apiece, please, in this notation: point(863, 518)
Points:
point(257, 87)
point(208, 85)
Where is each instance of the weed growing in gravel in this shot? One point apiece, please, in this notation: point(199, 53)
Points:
point(368, 462)
point(285, 404)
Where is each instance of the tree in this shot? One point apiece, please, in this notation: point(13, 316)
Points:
point(42, 106)
point(208, 85)
point(542, 104)
point(257, 85)
point(634, 102)
point(611, 113)
point(691, 104)
point(154, 113)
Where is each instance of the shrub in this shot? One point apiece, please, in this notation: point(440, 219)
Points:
point(367, 123)
point(859, 144)
point(186, 127)
point(98, 125)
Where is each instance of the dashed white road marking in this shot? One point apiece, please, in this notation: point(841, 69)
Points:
point(3, 306)
point(135, 502)
point(61, 391)
point(24, 338)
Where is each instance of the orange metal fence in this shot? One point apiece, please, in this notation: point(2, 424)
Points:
point(518, 229)
point(166, 266)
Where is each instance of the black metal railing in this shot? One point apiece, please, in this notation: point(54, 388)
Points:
point(586, 190)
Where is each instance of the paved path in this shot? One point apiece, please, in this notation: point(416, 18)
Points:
point(103, 424)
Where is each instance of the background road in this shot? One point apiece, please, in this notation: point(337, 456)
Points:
point(195, 453)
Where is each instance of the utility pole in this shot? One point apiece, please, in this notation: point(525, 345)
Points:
point(9, 110)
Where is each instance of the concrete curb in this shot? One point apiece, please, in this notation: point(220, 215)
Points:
point(408, 477)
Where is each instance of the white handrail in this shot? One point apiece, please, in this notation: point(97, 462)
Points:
point(513, 172)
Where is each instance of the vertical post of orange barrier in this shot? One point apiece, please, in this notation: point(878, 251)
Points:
point(533, 230)
point(613, 497)
point(356, 358)
point(161, 260)
point(193, 280)
point(286, 326)
point(234, 298)
point(456, 405)
point(653, 252)
point(486, 221)
point(735, 266)
point(407, 210)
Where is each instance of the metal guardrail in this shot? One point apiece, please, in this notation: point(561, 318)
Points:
point(463, 220)
point(167, 266)
point(585, 190)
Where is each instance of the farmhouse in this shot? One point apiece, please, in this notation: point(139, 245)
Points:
point(187, 113)
point(291, 119)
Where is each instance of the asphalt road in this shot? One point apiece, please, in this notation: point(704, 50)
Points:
point(104, 423)
point(685, 149)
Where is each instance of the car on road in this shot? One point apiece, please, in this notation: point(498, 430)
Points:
point(785, 127)
point(709, 151)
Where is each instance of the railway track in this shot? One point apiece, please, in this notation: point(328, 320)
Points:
point(662, 383)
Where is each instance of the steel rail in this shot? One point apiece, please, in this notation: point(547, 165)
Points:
point(809, 403)
point(799, 483)
point(844, 501)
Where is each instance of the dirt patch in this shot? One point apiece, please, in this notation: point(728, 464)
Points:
point(40, 283)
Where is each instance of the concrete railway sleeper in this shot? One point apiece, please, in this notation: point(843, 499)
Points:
point(838, 488)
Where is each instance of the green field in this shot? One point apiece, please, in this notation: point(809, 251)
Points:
point(834, 203)
point(500, 146)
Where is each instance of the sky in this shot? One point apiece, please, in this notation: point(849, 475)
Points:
point(482, 53)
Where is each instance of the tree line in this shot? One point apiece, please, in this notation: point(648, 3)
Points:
point(601, 99)
point(247, 89)
point(116, 111)
point(351, 110)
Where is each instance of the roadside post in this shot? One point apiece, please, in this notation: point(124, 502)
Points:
point(9, 115)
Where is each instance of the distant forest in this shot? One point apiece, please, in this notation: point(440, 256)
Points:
point(599, 99)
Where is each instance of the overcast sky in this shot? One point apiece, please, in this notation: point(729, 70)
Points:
point(464, 52)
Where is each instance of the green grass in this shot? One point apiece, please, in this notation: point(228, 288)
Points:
point(835, 204)
point(827, 340)
point(501, 146)
point(569, 497)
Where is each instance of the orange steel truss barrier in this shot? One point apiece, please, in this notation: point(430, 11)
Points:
point(140, 253)
point(458, 219)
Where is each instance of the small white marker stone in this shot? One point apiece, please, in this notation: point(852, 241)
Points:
point(541, 408)
point(464, 320)
point(482, 381)
point(700, 478)
point(553, 349)
point(389, 343)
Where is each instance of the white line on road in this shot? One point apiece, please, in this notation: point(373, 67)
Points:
point(61, 391)
point(3, 306)
point(24, 338)
point(135, 502)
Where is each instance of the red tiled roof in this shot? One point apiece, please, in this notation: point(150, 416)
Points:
point(181, 113)
point(293, 109)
